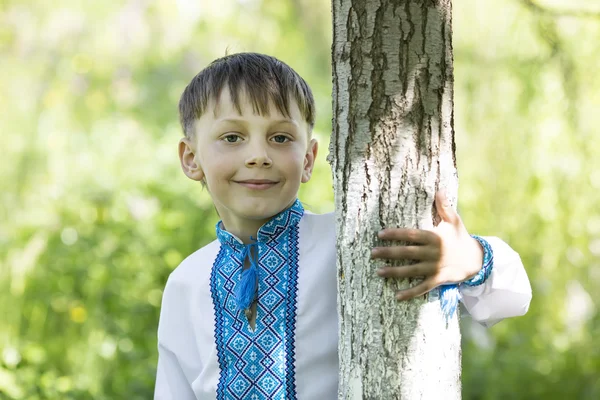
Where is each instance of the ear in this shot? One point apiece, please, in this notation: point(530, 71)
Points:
point(187, 157)
point(309, 160)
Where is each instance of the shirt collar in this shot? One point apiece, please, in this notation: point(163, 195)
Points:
point(271, 230)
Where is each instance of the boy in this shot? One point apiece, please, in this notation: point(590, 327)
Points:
point(253, 314)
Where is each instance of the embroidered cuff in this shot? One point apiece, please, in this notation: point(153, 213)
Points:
point(488, 263)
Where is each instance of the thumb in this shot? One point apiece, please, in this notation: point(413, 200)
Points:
point(444, 209)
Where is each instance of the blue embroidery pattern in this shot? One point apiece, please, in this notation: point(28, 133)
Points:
point(488, 263)
point(258, 364)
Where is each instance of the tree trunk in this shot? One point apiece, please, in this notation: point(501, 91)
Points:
point(392, 147)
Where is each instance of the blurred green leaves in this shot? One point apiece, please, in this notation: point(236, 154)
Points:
point(94, 213)
point(525, 99)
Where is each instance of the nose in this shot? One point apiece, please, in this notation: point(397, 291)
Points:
point(258, 156)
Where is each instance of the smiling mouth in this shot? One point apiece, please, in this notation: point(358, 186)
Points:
point(257, 184)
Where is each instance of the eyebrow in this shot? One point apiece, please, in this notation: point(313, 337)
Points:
point(242, 120)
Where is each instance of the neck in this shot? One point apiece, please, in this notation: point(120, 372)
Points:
point(243, 228)
point(246, 231)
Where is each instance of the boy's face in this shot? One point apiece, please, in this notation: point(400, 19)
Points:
point(252, 165)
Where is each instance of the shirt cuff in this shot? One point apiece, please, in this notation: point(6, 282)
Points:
point(488, 264)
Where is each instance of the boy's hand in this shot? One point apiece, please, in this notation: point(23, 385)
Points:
point(445, 255)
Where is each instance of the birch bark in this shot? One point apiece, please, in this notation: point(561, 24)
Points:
point(392, 147)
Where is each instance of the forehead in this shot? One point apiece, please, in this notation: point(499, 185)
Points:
point(241, 104)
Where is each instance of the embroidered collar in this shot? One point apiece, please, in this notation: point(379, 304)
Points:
point(270, 231)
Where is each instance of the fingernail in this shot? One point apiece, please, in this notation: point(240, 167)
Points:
point(381, 233)
point(399, 297)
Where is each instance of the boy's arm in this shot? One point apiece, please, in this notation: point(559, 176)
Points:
point(171, 382)
point(505, 293)
point(449, 255)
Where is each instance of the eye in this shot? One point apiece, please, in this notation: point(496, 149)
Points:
point(231, 138)
point(280, 139)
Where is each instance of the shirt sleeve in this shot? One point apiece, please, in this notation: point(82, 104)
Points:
point(171, 381)
point(506, 292)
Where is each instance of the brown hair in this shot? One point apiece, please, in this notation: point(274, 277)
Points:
point(264, 78)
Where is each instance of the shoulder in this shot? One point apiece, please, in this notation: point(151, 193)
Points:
point(312, 218)
point(185, 291)
point(318, 226)
point(195, 268)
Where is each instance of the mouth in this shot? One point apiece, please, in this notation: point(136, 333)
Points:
point(257, 184)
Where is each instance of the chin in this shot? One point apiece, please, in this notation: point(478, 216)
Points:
point(264, 211)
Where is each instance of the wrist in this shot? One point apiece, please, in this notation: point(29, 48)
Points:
point(477, 252)
point(486, 264)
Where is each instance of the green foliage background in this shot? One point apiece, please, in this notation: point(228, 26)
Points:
point(94, 212)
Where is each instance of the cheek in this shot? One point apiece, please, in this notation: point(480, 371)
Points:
point(292, 161)
point(215, 162)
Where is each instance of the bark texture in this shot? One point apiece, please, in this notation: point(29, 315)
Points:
point(392, 147)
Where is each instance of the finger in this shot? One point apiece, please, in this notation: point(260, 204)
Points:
point(426, 286)
point(404, 253)
point(407, 271)
point(419, 236)
point(444, 209)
